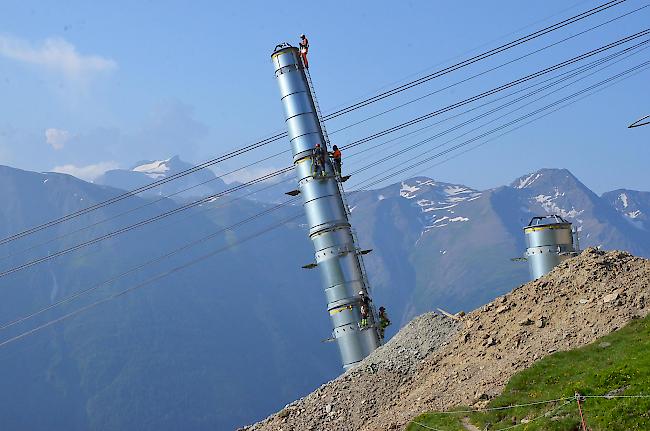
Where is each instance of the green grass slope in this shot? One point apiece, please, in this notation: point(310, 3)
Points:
point(617, 364)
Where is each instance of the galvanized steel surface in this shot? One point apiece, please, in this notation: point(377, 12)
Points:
point(550, 241)
point(329, 228)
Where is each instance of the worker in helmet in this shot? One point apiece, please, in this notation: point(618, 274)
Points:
point(364, 307)
point(384, 321)
point(304, 49)
point(318, 161)
point(336, 159)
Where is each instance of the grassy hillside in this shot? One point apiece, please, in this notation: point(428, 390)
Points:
point(617, 364)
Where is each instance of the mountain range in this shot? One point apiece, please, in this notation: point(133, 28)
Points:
point(201, 183)
point(236, 336)
point(448, 244)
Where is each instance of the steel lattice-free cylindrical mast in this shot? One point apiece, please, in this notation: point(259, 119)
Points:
point(549, 241)
point(337, 255)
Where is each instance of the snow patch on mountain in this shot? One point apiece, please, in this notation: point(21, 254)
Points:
point(456, 190)
point(442, 222)
point(623, 198)
point(428, 182)
point(634, 214)
point(548, 203)
point(407, 191)
point(429, 207)
point(528, 181)
point(154, 169)
point(435, 198)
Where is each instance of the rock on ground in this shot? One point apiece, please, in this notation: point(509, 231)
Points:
point(436, 363)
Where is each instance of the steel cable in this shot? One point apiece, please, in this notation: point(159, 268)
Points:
point(515, 121)
point(203, 239)
point(356, 143)
point(476, 58)
point(13, 253)
point(71, 314)
point(518, 99)
point(355, 106)
point(497, 89)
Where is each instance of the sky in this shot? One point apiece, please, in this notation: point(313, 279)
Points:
point(92, 86)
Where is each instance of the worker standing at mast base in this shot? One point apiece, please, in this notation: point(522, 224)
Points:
point(384, 321)
point(304, 49)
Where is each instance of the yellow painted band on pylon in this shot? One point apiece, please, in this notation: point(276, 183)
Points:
point(535, 229)
point(338, 310)
point(284, 51)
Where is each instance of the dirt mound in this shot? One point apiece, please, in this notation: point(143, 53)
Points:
point(435, 363)
point(410, 345)
point(356, 396)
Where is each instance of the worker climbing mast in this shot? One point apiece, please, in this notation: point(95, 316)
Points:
point(338, 257)
point(304, 49)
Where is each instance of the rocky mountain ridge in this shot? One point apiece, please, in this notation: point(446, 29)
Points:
point(159, 342)
point(201, 183)
point(449, 244)
point(634, 205)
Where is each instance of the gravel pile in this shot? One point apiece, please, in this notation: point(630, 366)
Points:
point(404, 352)
point(362, 392)
point(436, 363)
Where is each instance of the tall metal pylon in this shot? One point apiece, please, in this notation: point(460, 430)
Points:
point(337, 255)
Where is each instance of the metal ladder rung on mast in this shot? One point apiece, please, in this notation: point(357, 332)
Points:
point(325, 136)
point(346, 206)
point(316, 105)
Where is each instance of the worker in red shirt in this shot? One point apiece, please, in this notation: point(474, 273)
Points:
point(304, 48)
point(336, 158)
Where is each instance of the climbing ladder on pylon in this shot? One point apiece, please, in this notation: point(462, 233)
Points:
point(339, 183)
point(318, 113)
point(325, 136)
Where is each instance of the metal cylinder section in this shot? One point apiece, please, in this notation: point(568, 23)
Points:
point(329, 228)
point(300, 115)
point(549, 241)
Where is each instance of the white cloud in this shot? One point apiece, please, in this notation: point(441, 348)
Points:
point(56, 54)
point(57, 138)
point(89, 172)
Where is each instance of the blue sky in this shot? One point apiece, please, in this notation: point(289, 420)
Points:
point(90, 86)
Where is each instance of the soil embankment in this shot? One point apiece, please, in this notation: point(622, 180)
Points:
point(436, 363)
